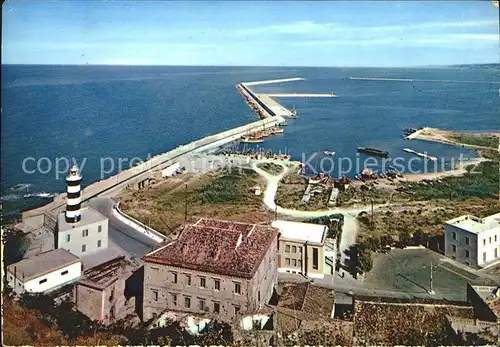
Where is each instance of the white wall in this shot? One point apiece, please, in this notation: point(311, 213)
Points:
point(171, 170)
point(53, 279)
point(476, 245)
point(77, 239)
point(486, 244)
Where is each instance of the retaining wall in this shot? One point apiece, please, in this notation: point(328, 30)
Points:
point(137, 225)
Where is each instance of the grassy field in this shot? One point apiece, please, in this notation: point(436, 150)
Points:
point(431, 205)
point(271, 168)
point(483, 140)
point(224, 195)
point(481, 181)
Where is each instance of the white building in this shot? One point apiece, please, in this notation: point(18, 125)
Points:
point(44, 272)
point(80, 230)
point(473, 241)
point(304, 249)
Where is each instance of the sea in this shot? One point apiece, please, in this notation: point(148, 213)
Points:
point(105, 117)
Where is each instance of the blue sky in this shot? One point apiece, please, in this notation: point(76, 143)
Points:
point(275, 33)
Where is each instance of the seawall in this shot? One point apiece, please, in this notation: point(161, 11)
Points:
point(147, 168)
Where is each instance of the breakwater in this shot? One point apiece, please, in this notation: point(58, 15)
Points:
point(35, 218)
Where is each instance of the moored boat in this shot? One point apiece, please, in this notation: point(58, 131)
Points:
point(373, 151)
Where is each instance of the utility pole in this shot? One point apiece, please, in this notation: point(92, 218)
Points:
point(431, 279)
point(185, 202)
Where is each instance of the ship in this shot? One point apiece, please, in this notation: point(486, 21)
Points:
point(250, 139)
point(328, 153)
point(373, 151)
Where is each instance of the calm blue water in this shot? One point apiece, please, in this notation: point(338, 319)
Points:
point(96, 112)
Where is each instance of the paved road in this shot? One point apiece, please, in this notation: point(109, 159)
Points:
point(124, 236)
point(353, 287)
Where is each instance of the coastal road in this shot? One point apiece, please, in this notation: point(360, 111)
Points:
point(124, 236)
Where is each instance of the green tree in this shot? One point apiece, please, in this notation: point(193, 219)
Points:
point(365, 261)
point(404, 238)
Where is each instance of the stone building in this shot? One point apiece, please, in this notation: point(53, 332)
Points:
point(101, 293)
point(215, 267)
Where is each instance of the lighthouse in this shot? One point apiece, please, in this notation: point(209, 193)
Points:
point(74, 199)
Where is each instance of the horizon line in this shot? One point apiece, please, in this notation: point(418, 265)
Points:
point(275, 66)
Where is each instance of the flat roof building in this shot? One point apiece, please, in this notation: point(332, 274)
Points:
point(473, 241)
point(87, 235)
point(44, 272)
point(303, 249)
point(215, 266)
point(100, 293)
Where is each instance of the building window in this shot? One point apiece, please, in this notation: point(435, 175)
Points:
point(484, 257)
point(466, 253)
point(467, 240)
point(155, 295)
point(495, 238)
point(315, 259)
point(174, 277)
point(42, 281)
point(287, 249)
point(294, 262)
point(287, 261)
point(98, 243)
point(99, 228)
point(496, 253)
point(258, 296)
point(85, 232)
point(454, 235)
point(489, 240)
point(174, 299)
point(294, 249)
point(484, 242)
point(203, 282)
point(84, 248)
point(236, 310)
point(454, 248)
point(237, 288)
point(188, 280)
point(216, 307)
point(187, 302)
point(201, 305)
point(217, 284)
point(68, 237)
point(65, 272)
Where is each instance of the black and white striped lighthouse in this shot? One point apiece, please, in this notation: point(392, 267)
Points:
point(74, 199)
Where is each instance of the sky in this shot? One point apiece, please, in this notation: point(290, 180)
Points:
point(257, 33)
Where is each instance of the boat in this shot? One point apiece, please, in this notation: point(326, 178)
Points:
point(252, 140)
point(328, 153)
point(294, 112)
point(373, 151)
point(41, 195)
point(278, 131)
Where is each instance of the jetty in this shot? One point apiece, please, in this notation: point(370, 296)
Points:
point(302, 95)
point(46, 214)
point(423, 155)
point(274, 81)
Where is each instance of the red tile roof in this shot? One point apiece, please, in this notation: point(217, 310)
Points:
point(223, 247)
